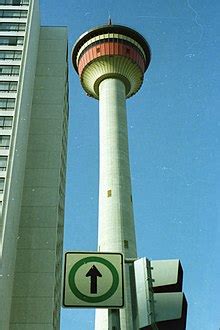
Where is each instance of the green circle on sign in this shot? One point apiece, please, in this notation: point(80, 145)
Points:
point(82, 296)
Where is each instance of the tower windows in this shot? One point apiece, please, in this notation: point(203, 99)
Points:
point(7, 55)
point(9, 70)
point(2, 182)
point(8, 86)
point(12, 27)
point(11, 41)
point(125, 244)
point(14, 2)
point(13, 13)
point(4, 141)
point(7, 104)
point(3, 163)
point(6, 122)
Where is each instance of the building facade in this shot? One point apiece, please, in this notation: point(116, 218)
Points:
point(33, 136)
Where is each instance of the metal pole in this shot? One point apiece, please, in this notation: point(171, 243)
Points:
point(113, 319)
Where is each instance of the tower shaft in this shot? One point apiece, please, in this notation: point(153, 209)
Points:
point(116, 224)
point(116, 231)
point(111, 61)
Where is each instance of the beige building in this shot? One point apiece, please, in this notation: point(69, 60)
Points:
point(33, 134)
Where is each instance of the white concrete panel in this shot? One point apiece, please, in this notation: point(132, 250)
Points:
point(58, 33)
point(4, 152)
point(44, 159)
point(35, 326)
point(35, 261)
point(14, 19)
point(25, 284)
point(53, 96)
point(50, 84)
point(50, 112)
point(33, 216)
point(51, 57)
point(11, 47)
point(46, 126)
point(42, 142)
point(37, 238)
point(32, 310)
point(10, 95)
point(40, 196)
point(42, 178)
point(52, 44)
point(48, 69)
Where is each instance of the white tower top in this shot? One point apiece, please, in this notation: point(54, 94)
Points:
point(111, 51)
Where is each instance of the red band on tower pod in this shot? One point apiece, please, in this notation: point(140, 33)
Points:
point(111, 49)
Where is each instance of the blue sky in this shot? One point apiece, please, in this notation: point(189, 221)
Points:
point(174, 139)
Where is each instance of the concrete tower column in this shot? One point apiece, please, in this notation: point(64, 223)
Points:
point(111, 61)
point(116, 224)
point(116, 231)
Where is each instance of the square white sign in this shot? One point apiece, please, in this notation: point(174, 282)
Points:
point(93, 279)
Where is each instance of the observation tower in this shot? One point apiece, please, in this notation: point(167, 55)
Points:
point(111, 61)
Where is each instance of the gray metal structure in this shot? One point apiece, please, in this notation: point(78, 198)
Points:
point(161, 303)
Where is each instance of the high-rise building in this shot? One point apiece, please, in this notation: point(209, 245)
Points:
point(33, 135)
point(111, 61)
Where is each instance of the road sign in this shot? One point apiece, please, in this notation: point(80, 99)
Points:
point(93, 279)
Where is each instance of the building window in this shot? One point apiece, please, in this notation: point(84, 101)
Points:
point(109, 193)
point(13, 13)
point(7, 104)
point(6, 122)
point(14, 2)
point(10, 55)
point(2, 182)
point(12, 27)
point(11, 41)
point(9, 70)
point(125, 244)
point(8, 86)
point(4, 141)
point(3, 163)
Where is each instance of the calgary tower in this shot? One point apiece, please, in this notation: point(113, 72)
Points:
point(111, 61)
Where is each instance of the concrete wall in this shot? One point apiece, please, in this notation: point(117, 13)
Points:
point(36, 293)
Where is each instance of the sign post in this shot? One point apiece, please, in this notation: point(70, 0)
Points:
point(93, 279)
